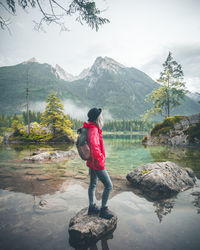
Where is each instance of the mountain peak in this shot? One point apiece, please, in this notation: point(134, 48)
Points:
point(33, 59)
point(101, 65)
point(107, 63)
point(63, 74)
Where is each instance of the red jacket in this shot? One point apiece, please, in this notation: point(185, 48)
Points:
point(95, 142)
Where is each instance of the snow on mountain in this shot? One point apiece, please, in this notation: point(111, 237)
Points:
point(63, 74)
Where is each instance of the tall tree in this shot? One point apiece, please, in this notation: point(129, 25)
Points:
point(54, 116)
point(55, 11)
point(172, 91)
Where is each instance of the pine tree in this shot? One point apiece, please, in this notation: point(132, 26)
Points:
point(172, 91)
point(54, 116)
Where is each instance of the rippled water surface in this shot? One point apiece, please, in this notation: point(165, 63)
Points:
point(26, 224)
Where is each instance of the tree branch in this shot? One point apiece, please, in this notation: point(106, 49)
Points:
point(86, 10)
point(12, 13)
point(4, 24)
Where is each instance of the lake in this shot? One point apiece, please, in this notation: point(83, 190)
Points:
point(37, 200)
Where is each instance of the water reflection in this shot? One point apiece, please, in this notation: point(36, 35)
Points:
point(34, 222)
point(183, 156)
point(103, 243)
point(163, 208)
point(38, 200)
point(196, 201)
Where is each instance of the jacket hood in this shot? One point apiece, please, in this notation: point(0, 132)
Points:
point(91, 125)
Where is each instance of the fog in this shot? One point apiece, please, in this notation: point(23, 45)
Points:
point(74, 110)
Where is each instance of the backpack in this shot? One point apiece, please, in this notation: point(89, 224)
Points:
point(82, 144)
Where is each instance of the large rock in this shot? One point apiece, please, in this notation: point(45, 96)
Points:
point(161, 179)
point(85, 230)
point(177, 130)
point(52, 156)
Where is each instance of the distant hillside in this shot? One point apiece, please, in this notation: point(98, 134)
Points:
point(107, 84)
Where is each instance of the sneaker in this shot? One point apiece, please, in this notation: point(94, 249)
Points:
point(93, 209)
point(105, 213)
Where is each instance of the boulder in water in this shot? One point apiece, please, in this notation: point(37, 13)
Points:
point(52, 156)
point(87, 229)
point(161, 179)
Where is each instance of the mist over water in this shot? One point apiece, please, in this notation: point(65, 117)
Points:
point(76, 111)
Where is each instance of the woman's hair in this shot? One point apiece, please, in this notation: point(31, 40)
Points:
point(99, 121)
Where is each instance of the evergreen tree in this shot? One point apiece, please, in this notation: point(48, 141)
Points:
point(54, 11)
point(54, 116)
point(172, 91)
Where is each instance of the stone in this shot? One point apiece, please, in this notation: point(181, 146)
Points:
point(68, 174)
point(87, 229)
point(161, 179)
point(34, 172)
point(52, 156)
point(44, 178)
point(50, 205)
point(193, 119)
point(195, 193)
point(81, 177)
point(5, 175)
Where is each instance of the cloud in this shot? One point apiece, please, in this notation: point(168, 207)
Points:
point(75, 111)
point(80, 112)
point(188, 55)
point(35, 106)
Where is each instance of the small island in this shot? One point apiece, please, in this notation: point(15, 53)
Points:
point(176, 130)
point(55, 126)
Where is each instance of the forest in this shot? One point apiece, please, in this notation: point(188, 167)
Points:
point(113, 126)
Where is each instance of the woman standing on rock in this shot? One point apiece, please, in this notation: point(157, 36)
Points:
point(97, 164)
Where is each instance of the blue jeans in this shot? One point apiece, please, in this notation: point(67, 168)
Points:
point(104, 177)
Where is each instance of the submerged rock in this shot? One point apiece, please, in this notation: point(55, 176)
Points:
point(161, 179)
point(54, 155)
point(86, 229)
point(50, 205)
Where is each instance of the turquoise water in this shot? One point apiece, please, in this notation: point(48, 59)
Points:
point(124, 154)
point(24, 224)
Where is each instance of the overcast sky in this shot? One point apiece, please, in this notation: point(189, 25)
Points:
point(140, 35)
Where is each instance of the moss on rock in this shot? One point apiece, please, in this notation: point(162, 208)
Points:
point(165, 126)
point(37, 134)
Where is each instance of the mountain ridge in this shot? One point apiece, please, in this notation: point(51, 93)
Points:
point(108, 84)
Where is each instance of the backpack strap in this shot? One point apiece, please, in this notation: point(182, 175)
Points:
point(93, 159)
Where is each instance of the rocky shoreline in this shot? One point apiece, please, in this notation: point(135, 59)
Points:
point(177, 130)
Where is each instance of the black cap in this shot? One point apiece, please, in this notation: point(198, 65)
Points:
point(93, 114)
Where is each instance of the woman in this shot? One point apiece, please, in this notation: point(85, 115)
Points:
point(97, 164)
